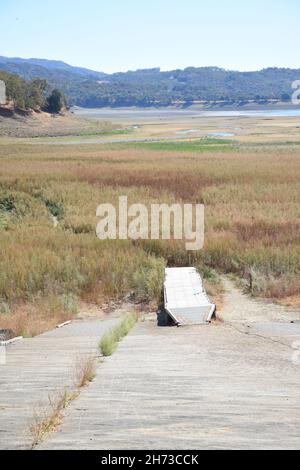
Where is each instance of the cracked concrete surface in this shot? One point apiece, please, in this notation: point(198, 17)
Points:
point(206, 387)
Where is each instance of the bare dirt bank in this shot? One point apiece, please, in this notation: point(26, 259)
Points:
point(47, 125)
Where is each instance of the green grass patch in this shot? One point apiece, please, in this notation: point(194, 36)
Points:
point(106, 133)
point(201, 145)
point(85, 135)
point(110, 340)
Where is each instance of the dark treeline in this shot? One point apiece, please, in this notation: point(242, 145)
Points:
point(153, 87)
point(156, 88)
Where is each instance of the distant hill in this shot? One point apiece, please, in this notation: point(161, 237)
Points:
point(32, 67)
point(153, 87)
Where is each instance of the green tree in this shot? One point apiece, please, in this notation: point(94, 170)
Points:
point(25, 94)
point(55, 102)
point(35, 97)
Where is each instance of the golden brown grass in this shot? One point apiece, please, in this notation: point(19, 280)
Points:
point(48, 419)
point(85, 370)
point(42, 313)
point(251, 195)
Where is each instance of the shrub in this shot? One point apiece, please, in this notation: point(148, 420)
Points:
point(4, 221)
point(7, 204)
point(51, 417)
point(55, 102)
point(56, 209)
point(85, 371)
point(148, 280)
point(15, 206)
point(4, 308)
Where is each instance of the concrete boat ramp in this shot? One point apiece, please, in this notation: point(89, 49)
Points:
point(198, 387)
point(226, 385)
point(39, 368)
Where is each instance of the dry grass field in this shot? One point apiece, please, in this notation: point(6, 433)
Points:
point(50, 257)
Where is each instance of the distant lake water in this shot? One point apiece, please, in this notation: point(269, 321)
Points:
point(293, 112)
point(221, 134)
point(130, 113)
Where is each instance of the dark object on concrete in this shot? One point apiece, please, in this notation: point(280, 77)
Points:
point(163, 318)
point(6, 112)
point(6, 335)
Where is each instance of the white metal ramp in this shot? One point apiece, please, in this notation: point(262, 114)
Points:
point(186, 300)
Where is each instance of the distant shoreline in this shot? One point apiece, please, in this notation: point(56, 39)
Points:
point(249, 110)
point(203, 106)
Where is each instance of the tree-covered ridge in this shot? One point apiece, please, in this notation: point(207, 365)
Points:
point(154, 87)
point(35, 94)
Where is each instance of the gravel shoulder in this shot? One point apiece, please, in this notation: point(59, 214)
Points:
point(259, 317)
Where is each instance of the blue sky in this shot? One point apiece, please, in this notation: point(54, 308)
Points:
point(120, 35)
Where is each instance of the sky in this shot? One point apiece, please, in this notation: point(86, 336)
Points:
point(121, 35)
